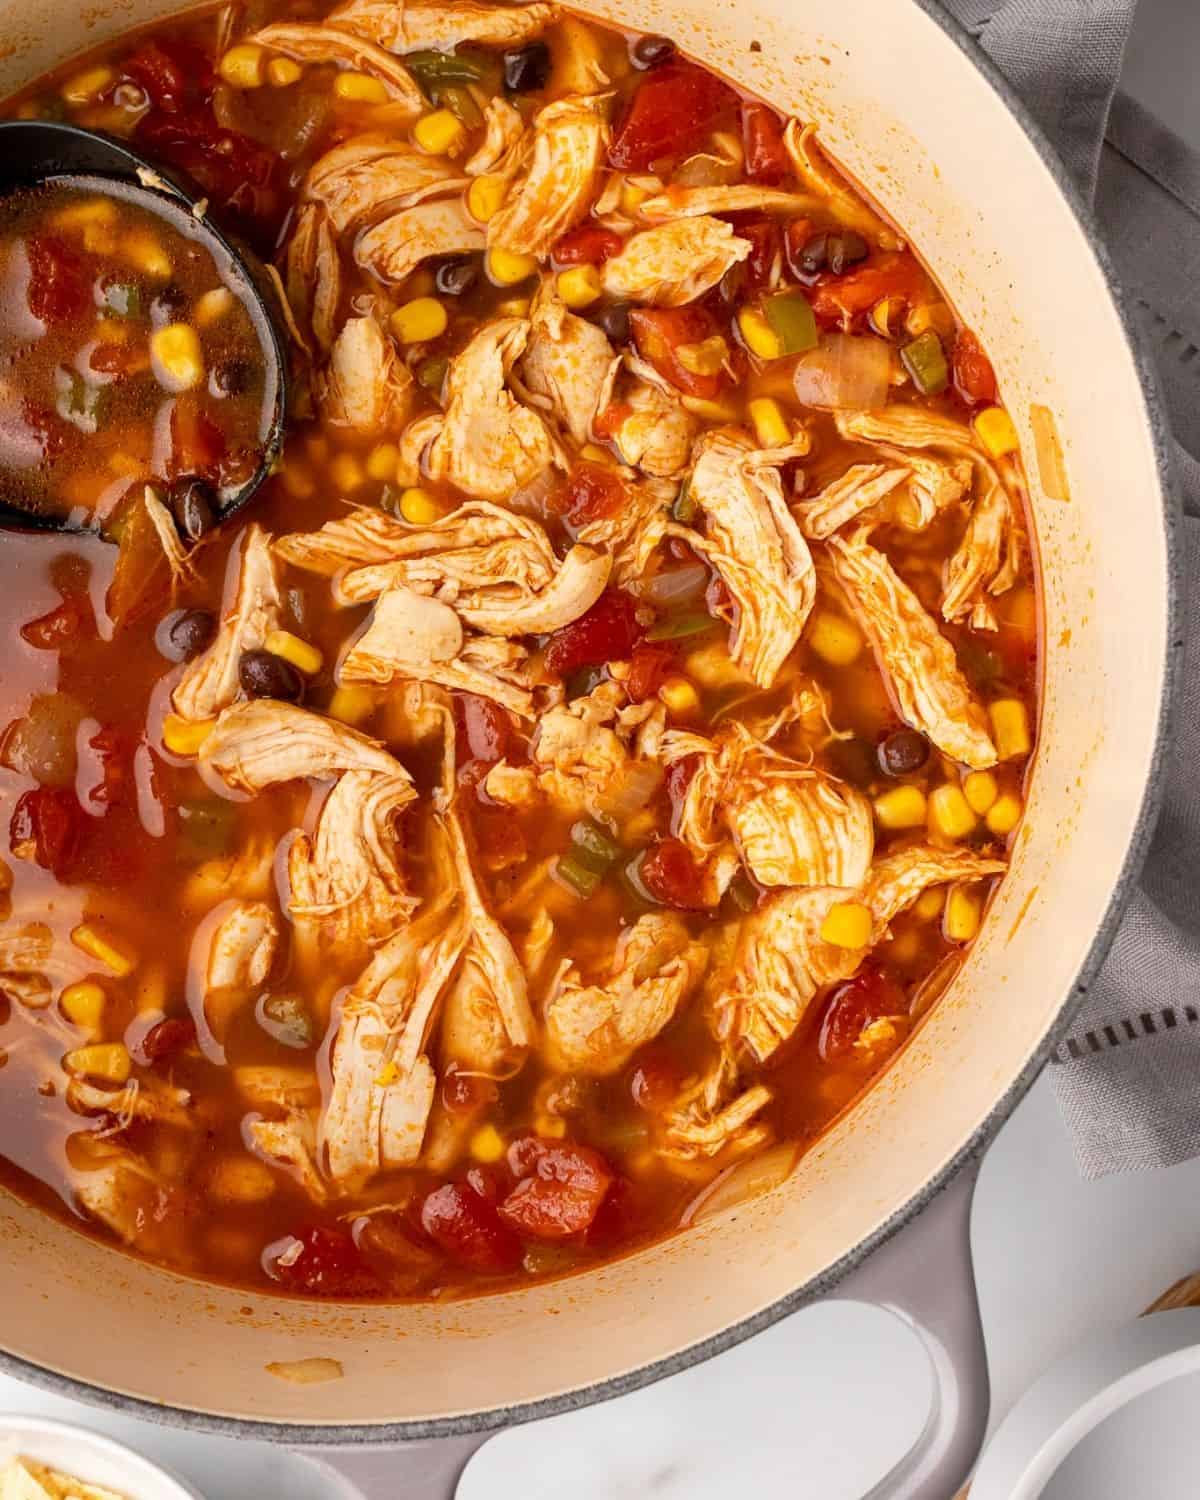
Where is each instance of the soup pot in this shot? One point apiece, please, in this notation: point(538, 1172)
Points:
point(915, 115)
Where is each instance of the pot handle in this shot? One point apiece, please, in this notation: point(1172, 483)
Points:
point(924, 1276)
point(415, 1471)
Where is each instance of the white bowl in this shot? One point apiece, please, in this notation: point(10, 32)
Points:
point(89, 1456)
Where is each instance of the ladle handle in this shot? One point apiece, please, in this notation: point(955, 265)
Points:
point(925, 1277)
point(414, 1471)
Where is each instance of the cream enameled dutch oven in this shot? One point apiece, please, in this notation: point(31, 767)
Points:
point(903, 102)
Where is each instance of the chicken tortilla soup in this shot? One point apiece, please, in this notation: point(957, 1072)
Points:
point(525, 827)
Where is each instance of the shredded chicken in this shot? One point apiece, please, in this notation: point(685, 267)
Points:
point(347, 880)
point(314, 273)
point(559, 181)
point(741, 197)
point(414, 638)
point(121, 1190)
point(753, 541)
point(898, 879)
point(711, 1116)
point(597, 1028)
point(258, 744)
point(373, 175)
point(291, 1143)
point(365, 386)
point(566, 364)
point(397, 245)
point(674, 263)
point(330, 44)
point(653, 430)
point(861, 491)
point(820, 179)
point(512, 786)
point(504, 144)
point(916, 658)
point(489, 444)
point(631, 536)
point(403, 26)
point(241, 950)
point(148, 1098)
point(210, 682)
point(584, 764)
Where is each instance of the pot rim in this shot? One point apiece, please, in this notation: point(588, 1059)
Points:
point(352, 1435)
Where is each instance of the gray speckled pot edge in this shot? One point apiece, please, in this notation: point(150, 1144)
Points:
point(491, 1420)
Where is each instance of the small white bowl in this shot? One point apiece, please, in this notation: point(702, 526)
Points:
point(89, 1456)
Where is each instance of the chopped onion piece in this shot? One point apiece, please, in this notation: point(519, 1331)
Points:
point(746, 1179)
point(633, 790)
point(673, 585)
point(844, 371)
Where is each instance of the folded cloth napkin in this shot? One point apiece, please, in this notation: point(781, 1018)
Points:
point(1127, 1076)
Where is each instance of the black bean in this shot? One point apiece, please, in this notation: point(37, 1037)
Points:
point(652, 51)
point(527, 68)
point(903, 752)
point(168, 305)
point(263, 675)
point(194, 504)
point(845, 250)
point(814, 254)
point(614, 320)
point(231, 377)
point(185, 635)
point(456, 276)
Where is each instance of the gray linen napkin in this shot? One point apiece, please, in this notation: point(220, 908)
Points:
point(1127, 1076)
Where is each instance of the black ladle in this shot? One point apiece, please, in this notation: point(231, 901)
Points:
point(34, 153)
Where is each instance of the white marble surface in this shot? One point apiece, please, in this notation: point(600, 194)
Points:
point(821, 1405)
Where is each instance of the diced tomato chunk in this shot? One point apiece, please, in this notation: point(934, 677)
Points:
point(561, 1193)
point(671, 111)
point(648, 667)
point(590, 244)
point(671, 875)
point(895, 274)
point(329, 1265)
point(243, 178)
point(658, 332)
point(870, 995)
point(484, 729)
point(592, 492)
point(763, 235)
point(767, 159)
point(607, 632)
point(974, 378)
point(62, 626)
point(58, 283)
point(463, 1224)
point(608, 423)
point(47, 824)
point(166, 1039)
point(171, 72)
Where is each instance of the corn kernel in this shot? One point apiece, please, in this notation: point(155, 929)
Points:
point(283, 71)
point(770, 425)
point(297, 480)
point(185, 736)
point(981, 790)
point(241, 1179)
point(902, 807)
point(90, 940)
point(1010, 727)
point(418, 507)
point(212, 306)
point(707, 357)
point(176, 357)
point(83, 1004)
point(928, 904)
point(485, 196)
point(834, 638)
point(487, 1144)
point(360, 88)
point(440, 133)
point(580, 286)
point(147, 254)
point(927, 315)
point(88, 85)
point(848, 924)
point(382, 462)
point(680, 697)
point(949, 812)
point(994, 429)
point(886, 315)
point(963, 912)
point(304, 656)
point(595, 454)
point(1004, 815)
point(710, 411)
point(417, 321)
point(506, 268)
point(242, 66)
point(633, 195)
point(758, 335)
point(351, 704)
point(107, 1060)
point(347, 473)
